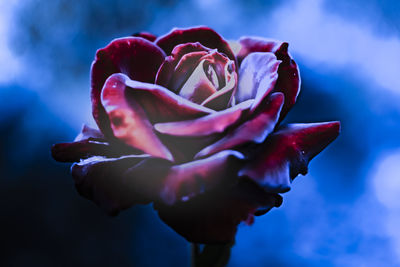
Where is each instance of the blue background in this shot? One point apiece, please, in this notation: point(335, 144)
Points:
point(345, 212)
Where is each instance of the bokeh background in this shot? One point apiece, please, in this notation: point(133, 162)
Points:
point(345, 212)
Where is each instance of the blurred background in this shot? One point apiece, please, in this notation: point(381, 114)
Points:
point(345, 212)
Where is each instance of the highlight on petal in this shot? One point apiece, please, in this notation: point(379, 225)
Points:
point(287, 152)
point(161, 104)
point(129, 122)
point(115, 184)
point(136, 57)
point(187, 56)
point(254, 130)
point(257, 77)
point(288, 73)
point(88, 132)
point(201, 34)
point(214, 123)
point(213, 217)
point(185, 181)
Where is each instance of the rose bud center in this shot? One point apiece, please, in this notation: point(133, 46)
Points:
point(212, 82)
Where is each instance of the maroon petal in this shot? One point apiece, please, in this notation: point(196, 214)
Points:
point(161, 104)
point(204, 35)
point(167, 69)
point(256, 44)
point(287, 153)
point(213, 217)
point(190, 179)
point(288, 72)
point(257, 77)
point(145, 35)
point(214, 123)
point(129, 122)
point(118, 183)
point(254, 130)
point(134, 56)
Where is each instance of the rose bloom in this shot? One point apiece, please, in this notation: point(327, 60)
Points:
point(191, 123)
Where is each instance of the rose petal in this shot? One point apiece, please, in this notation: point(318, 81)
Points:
point(190, 179)
point(254, 130)
point(118, 183)
point(288, 72)
point(128, 120)
point(213, 217)
point(145, 35)
point(257, 77)
point(214, 123)
point(166, 71)
point(134, 56)
point(161, 104)
point(247, 45)
point(287, 153)
point(204, 35)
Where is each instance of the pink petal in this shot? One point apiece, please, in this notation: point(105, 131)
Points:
point(288, 73)
point(254, 130)
point(213, 217)
point(88, 132)
point(204, 35)
point(287, 153)
point(129, 122)
point(190, 179)
point(166, 71)
point(145, 35)
point(214, 123)
point(257, 77)
point(161, 104)
point(115, 184)
point(134, 56)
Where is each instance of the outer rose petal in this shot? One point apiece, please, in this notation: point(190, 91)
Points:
point(145, 35)
point(213, 217)
point(89, 142)
point(129, 121)
point(118, 183)
point(288, 72)
point(202, 34)
point(214, 123)
point(134, 56)
point(254, 130)
point(257, 77)
point(287, 153)
point(193, 178)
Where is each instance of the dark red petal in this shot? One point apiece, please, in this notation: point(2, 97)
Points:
point(145, 35)
point(129, 122)
point(214, 123)
point(254, 130)
point(257, 77)
point(160, 104)
point(191, 179)
point(287, 153)
point(204, 35)
point(90, 142)
point(118, 183)
point(164, 74)
point(256, 44)
point(288, 72)
point(213, 217)
point(134, 56)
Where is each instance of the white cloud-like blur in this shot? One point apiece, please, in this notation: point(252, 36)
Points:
point(327, 40)
point(386, 185)
point(9, 64)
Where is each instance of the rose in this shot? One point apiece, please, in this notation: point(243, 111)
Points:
point(190, 122)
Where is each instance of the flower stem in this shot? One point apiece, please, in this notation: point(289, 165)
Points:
point(211, 255)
